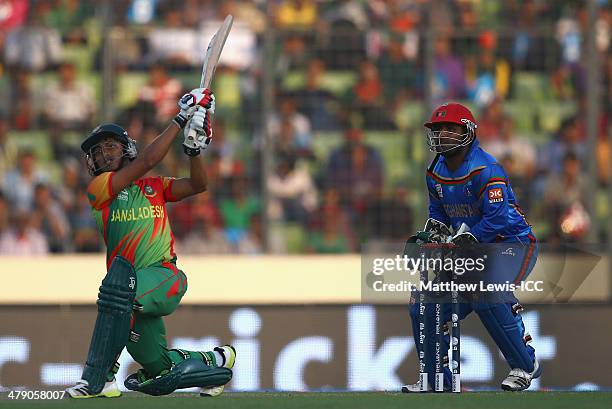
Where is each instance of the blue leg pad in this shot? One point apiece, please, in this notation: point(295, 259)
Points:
point(507, 332)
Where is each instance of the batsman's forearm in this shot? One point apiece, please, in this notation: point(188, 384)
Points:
point(197, 174)
point(156, 150)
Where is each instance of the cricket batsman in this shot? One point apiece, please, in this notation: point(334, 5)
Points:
point(143, 283)
point(470, 193)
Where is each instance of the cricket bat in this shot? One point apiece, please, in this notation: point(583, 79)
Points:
point(211, 58)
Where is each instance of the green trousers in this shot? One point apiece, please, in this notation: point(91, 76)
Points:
point(159, 290)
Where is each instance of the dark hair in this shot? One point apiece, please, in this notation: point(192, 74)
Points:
point(570, 156)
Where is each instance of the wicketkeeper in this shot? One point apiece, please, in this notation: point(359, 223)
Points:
point(467, 186)
point(143, 283)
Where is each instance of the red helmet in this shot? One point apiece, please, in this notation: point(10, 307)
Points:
point(450, 113)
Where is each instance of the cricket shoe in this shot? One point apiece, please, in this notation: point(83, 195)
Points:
point(228, 353)
point(518, 379)
point(416, 388)
point(412, 388)
point(81, 390)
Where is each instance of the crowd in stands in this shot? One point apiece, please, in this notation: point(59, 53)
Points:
point(347, 81)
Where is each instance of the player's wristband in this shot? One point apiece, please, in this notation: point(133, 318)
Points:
point(191, 151)
point(180, 120)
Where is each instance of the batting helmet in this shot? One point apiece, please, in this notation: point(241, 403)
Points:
point(453, 113)
point(96, 136)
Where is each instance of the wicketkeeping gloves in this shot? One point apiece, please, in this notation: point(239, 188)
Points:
point(463, 237)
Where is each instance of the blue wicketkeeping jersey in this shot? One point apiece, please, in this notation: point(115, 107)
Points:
point(478, 194)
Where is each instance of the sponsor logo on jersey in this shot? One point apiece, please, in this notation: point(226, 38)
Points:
point(496, 195)
point(149, 192)
point(461, 209)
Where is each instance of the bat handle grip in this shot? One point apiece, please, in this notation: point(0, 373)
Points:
point(191, 135)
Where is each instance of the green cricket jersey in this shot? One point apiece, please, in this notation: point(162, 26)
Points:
point(134, 222)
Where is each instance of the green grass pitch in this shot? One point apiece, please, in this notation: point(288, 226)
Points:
point(339, 400)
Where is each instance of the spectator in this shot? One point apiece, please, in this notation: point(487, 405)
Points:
point(220, 170)
point(367, 98)
point(346, 23)
point(19, 183)
point(169, 166)
point(568, 139)
point(292, 192)
point(248, 12)
point(237, 210)
point(296, 14)
point(204, 239)
point(33, 46)
point(351, 11)
point(490, 121)
point(199, 210)
point(291, 129)
point(528, 49)
point(72, 181)
point(564, 201)
point(223, 147)
point(69, 18)
point(569, 81)
point(8, 151)
point(173, 43)
point(603, 159)
point(490, 76)
point(389, 218)
point(23, 238)
point(519, 150)
point(14, 15)
point(318, 104)
point(355, 171)
point(51, 219)
point(69, 104)
point(205, 236)
point(161, 93)
point(449, 78)
point(86, 238)
point(468, 17)
point(4, 213)
point(252, 242)
point(328, 240)
point(397, 73)
point(23, 108)
point(406, 17)
point(294, 55)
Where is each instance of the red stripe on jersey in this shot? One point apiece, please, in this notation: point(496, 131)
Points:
point(131, 248)
point(116, 250)
point(490, 182)
point(105, 215)
point(454, 181)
